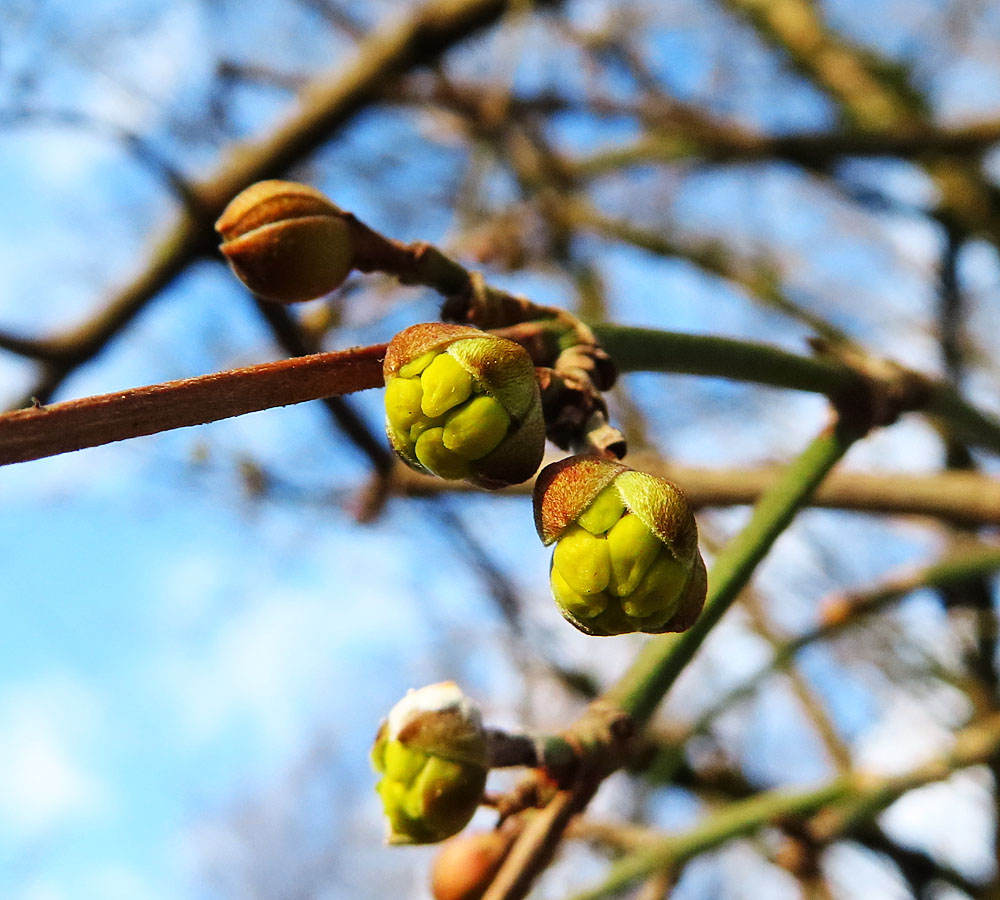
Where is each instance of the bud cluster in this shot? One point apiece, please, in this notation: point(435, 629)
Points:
point(431, 755)
point(626, 556)
point(463, 404)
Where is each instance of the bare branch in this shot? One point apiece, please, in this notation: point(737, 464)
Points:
point(47, 430)
point(327, 103)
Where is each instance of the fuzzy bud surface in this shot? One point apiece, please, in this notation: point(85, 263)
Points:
point(463, 404)
point(626, 553)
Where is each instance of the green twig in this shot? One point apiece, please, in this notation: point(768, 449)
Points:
point(642, 687)
point(843, 613)
point(649, 350)
point(735, 821)
point(846, 801)
point(662, 660)
point(652, 350)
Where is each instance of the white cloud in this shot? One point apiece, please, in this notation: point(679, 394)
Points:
point(43, 782)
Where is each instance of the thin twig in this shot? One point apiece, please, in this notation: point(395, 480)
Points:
point(846, 801)
point(954, 496)
point(640, 690)
point(40, 431)
point(326, 104)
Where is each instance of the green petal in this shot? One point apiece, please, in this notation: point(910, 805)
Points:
point(402, 402)
point(444, 797)
point(401, 763)
point(416, 366)
point(391, 792)
point(433, 455)
point(445, 384)
point(612, 621)
point(476, 428)
point(633, 547)
point(583, 560)
point(433, 783)
point(578, 605)
point(606, 509)
point(660, 590)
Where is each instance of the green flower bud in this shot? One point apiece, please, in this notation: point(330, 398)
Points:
point(462, 403)
point(286, 241)
point(626, 553)
point(431, 756)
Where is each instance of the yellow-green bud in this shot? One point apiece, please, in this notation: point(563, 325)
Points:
point(462, 403)
point(626, 553)
point(286, 241)
point(431, 756)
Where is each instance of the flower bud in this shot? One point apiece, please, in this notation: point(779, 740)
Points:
point(462, 403)
point(431, 754)
point(286, 241)
point(467, 864)
point(626, 553)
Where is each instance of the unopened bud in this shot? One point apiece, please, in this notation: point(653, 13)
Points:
point(431, 755)
point(462, 403)
point(286, 241)
point(626, 553)
point(467, 864)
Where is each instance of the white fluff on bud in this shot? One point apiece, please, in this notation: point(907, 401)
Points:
point(445, 696)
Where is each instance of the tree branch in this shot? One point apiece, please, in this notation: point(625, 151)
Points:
point(955, 496)
point(846, 801)
point(649, 350)
point(732, 143)
point(328, 103)
point(640, 690)
point(27, 434)
point(643, 686)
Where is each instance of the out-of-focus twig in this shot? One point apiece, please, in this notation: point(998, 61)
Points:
point(855, 797)
point(327, 103)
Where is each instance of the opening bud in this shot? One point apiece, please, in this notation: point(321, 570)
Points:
point(431, 756)
point(463, 404)
point(626, 553)
point(286, 241)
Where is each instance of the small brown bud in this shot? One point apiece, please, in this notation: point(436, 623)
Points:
point(466, 865)
point(834, 611)
point(285, 241)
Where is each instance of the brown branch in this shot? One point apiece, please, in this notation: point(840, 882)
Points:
point(326, 104)
point(876, 95)
point(956, 496)
point(47, 430)
point(724, 142)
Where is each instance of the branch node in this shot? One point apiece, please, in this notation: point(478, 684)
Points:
point(883, 389)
